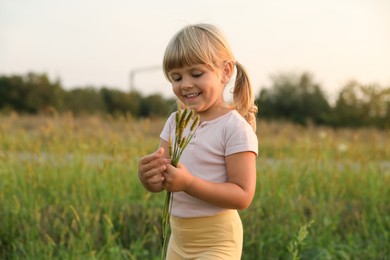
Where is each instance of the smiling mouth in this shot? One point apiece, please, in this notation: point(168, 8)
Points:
point(192, 95)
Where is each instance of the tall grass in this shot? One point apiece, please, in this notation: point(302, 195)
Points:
point(69, 190)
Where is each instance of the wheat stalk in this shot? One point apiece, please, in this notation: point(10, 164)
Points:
point(183, 117)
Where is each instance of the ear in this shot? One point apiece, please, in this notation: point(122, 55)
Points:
point(227, 71)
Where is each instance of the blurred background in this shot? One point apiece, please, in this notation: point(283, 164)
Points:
point(120, 44)
point(99, 42)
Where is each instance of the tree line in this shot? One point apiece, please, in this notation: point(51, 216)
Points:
point(291, 97)
point(300, 99)
point(35, 93)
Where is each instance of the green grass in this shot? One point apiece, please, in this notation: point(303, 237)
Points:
point(69, 190)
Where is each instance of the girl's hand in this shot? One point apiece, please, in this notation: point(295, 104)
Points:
point(151, 168)
point(177, 178)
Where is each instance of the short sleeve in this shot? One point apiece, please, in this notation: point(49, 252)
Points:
point(167, 130)
point(240, 137)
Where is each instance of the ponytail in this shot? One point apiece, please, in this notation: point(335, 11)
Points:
point(243, 98)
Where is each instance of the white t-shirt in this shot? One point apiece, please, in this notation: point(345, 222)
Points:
point(204, 156)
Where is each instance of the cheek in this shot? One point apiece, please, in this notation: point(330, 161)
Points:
point(176, 89)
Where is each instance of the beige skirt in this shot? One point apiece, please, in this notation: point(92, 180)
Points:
point(215, 237)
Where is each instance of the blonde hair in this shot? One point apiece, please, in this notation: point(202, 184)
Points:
point(205, 44)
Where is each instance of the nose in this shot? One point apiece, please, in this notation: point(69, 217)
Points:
point(186, 83)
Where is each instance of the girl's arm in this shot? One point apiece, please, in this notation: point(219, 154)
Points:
point(236, 193)
point(151, 168)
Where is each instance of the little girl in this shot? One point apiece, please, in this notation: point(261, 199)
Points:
point(216, 175)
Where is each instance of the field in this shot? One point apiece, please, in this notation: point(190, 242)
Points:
point(69, 190)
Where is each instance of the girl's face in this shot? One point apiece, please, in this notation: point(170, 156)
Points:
point(200, 88)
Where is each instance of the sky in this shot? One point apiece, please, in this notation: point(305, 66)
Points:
point(99, 43)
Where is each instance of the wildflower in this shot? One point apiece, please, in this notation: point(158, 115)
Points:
point(322, 134)
point(342, 147)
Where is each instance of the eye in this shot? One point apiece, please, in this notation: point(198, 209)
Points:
point(197, 74)
point(175, 77)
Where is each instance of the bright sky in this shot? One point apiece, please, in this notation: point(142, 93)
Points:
point(97, 43)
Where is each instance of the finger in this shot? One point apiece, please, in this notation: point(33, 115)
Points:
point(153, 168)
point(151, 157)
point(170, 167)
point(160, 151)
point(179, 165)
point(156, 179)
point(166, 181)
point(158, 171)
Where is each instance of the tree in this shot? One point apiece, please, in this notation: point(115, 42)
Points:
point(11, 93)
point(31, 93)
point(117, 101)
point(41, 93)
point(362, 105)
point(84, 100)
point(156, 105)
point(294, 97)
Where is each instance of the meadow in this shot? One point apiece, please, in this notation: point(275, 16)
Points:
point(69, 190)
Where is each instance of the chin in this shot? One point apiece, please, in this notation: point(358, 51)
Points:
point(196, 106)
point(189, 106)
